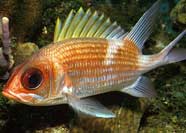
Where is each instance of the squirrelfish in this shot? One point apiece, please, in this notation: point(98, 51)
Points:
point(90, 56)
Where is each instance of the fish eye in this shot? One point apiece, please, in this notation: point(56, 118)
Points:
point(32, 78)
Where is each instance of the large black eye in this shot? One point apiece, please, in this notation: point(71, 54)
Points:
point(32, 78)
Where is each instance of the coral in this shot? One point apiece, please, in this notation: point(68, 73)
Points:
point(6, 58)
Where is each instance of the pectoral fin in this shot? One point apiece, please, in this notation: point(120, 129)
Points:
point(142, 87)
point(90, 107)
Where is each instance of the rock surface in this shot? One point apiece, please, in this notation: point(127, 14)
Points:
point(178, 14)
point(23, 51)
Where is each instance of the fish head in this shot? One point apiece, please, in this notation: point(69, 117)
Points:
point(31, 83)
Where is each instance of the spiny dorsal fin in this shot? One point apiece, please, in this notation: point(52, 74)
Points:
point(87, 24)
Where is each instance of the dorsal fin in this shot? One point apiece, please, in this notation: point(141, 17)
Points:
point(143, 28)
point(87, 24)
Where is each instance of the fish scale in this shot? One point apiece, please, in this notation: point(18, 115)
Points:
point(96, 74)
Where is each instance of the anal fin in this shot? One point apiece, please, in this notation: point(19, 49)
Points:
point(90, 107)
point(142, 87)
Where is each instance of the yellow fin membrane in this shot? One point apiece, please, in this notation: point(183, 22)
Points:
point(87, 24)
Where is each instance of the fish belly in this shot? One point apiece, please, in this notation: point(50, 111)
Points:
point(98, 65)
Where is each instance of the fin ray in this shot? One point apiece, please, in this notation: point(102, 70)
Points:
point(172, 55)
point(90, 107)
point(109, 29)
point(95, 26)
point(57, 29)
point(142, 87)
point(77, 18)
point(102, 28)
point(81, 24)
point(65, 26)
point(87, 24)
point(143, 28)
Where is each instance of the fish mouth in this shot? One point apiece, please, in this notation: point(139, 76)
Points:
point(9, 95)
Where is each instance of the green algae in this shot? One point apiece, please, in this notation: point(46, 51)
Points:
point(178, 14)
point(167, 110)
point(50, 15)
point(23, 51)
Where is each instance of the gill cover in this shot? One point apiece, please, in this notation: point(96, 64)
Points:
point(30, 82)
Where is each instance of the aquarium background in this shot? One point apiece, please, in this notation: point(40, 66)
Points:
point(32, 25)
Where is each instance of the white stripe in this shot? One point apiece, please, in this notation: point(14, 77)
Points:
point(113, 46)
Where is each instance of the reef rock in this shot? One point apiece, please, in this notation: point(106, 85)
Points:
point(23, 51)
point(178, 14)
point(128, 110)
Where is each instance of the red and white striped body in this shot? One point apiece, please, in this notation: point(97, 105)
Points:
point(95, 65)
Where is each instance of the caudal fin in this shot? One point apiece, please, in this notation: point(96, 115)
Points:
point(172, 55)
point(166, 56)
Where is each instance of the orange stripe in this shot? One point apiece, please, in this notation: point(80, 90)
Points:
point(88, 54)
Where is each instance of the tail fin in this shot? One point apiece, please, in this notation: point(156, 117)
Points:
point(171, 55)
point(166, 56)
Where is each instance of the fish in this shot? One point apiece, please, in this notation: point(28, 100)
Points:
point(90, 55)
